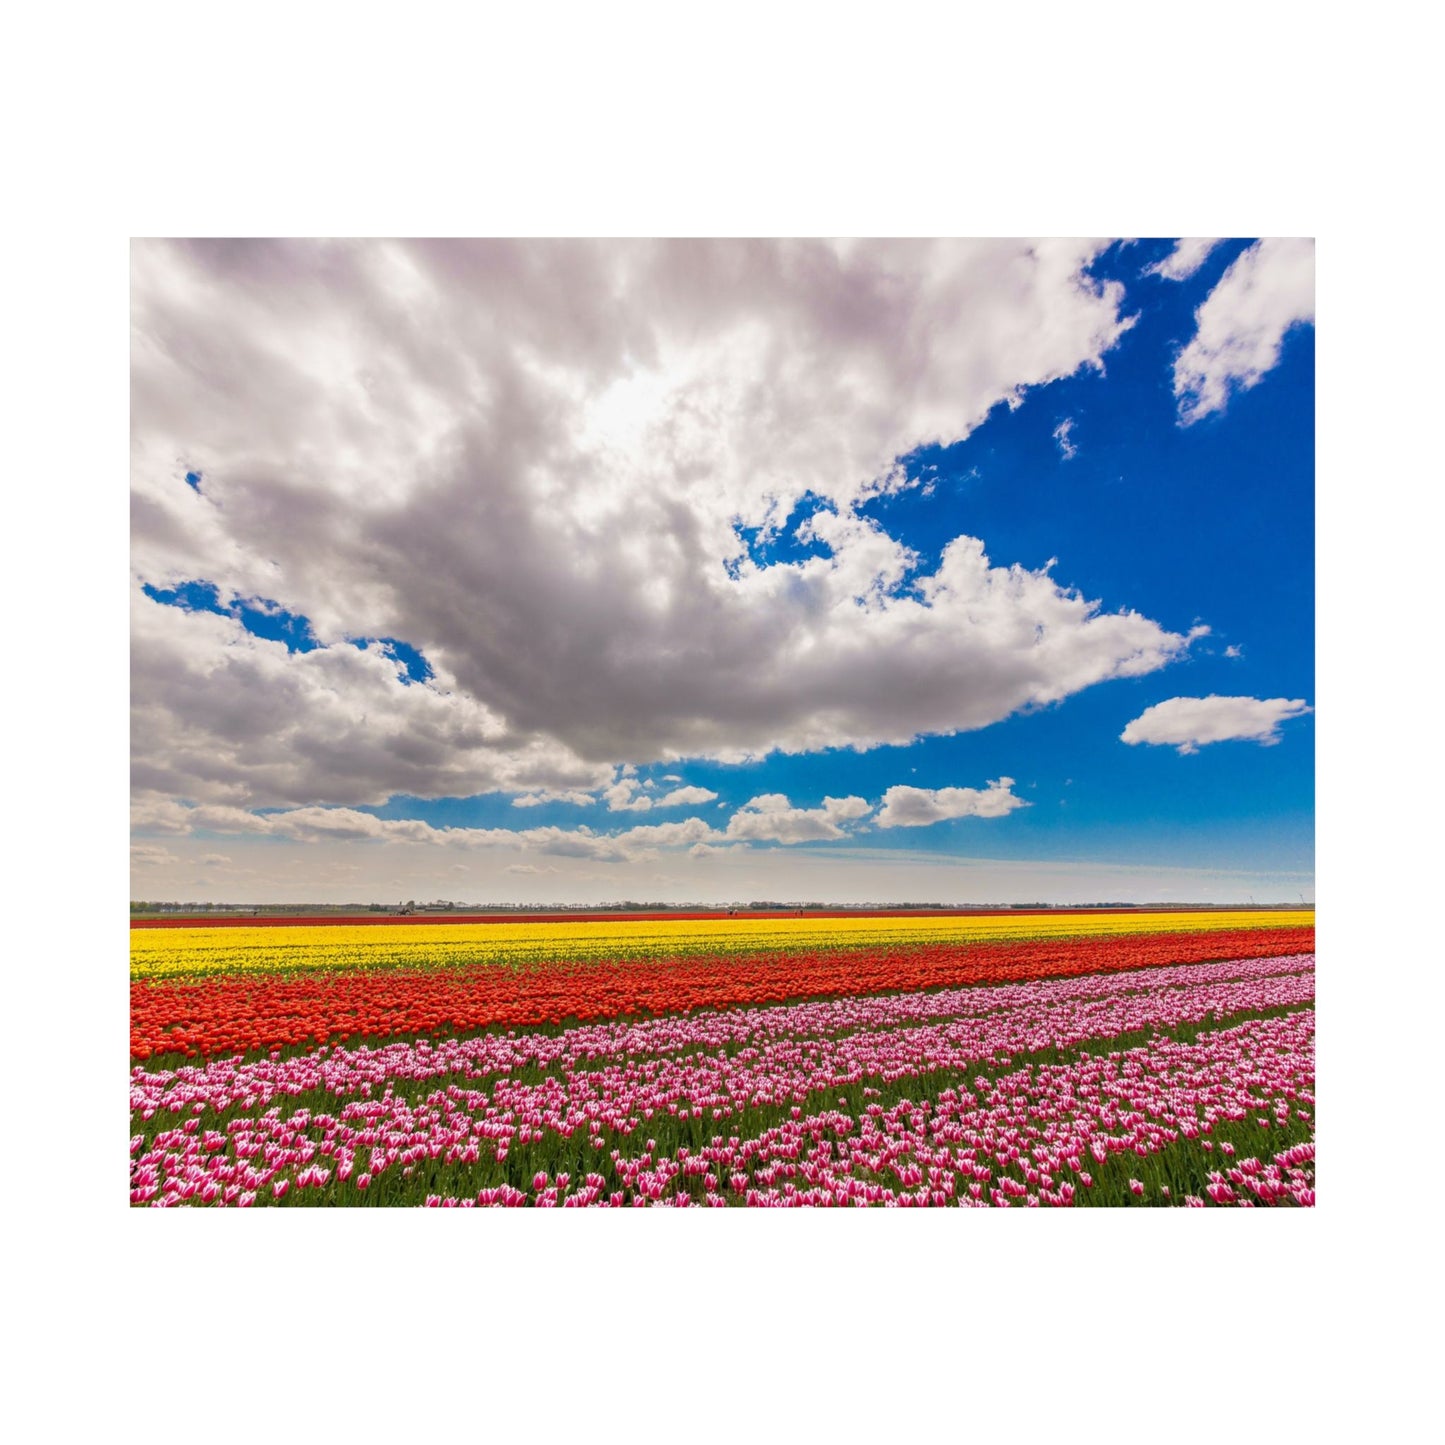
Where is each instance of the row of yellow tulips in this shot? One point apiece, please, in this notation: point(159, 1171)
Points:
point(172, 952)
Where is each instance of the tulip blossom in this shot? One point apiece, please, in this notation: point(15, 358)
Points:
point(974, 1095)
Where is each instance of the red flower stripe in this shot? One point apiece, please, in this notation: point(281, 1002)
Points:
point(231, 1013)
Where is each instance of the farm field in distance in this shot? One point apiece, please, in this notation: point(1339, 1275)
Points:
point(1050, 1058)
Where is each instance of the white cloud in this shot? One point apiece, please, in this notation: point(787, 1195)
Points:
point(319, 825)
point(566, 795)
point(667, 835)
point(531, 461)
point(225, 717)
point(906, 807)
point(1239, 328)
point(1233, 650)
point(326, 824)
point(1185, 259)
point(1062, 434)
point(771, 818)
point(680, 797)
point(767, 818)
point(151, 855)
point(1189, 722)
point(626, 795)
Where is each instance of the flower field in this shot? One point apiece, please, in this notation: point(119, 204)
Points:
point(162, 950)
point(1038, 1060)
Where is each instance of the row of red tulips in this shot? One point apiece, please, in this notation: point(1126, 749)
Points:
point(230, 1014)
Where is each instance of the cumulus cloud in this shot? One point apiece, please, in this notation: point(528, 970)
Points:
point(1188, 255)
point(667, 835)
point(1239, 329)
point(905, 807)
point(680, 797)
point(771, 818)
point(1189, 722)
point(223, 716)
point(766, 818)
point(566, 795)
point(534, 462)
point(336, 824)
point(165, 815)
point(626, 795)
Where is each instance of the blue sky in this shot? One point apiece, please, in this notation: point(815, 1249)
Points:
point(458, 643)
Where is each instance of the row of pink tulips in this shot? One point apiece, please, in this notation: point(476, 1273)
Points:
point(1046, 1122)
point(1110, 1003)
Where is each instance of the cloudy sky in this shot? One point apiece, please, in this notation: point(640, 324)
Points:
point(961, 571)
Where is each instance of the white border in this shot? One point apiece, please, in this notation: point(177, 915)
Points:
point(649, 119)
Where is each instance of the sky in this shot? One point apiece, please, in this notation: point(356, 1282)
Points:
point(911, 571)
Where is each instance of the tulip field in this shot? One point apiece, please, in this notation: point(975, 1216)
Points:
point(1038, 1059)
